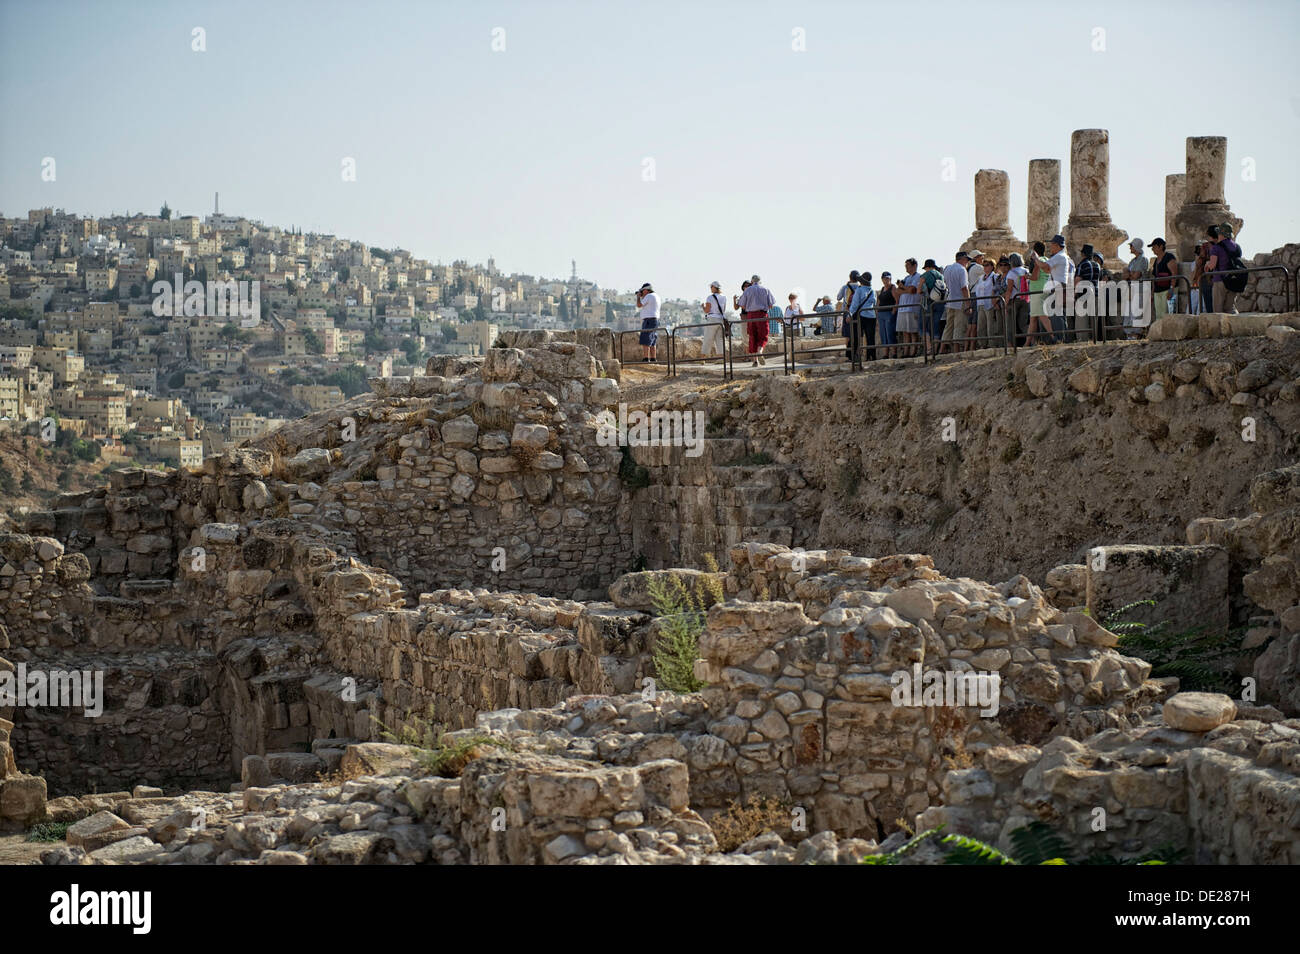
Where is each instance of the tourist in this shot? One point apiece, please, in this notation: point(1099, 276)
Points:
point(826, 310)
point(755, 304)
point(981, 308)
point(1203, 295)
point(1017, 298)
point(1135, 315)
point(1038, 276)
point(1166, 265)
point(933, 306)
point(1087, 275)
point(992, 326)
point(793, 312)
point(1062, 275)
point(887, 315)
point(862, 312)
point(648, 304)
point(956, 303)
point(1219, 259)
point(715, 309)
point(909, 310)
point(976, 271)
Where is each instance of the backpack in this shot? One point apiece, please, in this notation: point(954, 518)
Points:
point(940, 290)
point(1234, 283)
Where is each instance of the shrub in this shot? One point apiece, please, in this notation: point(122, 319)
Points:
point(1202, 661)
point(435, 753)
point(632, 474)
point(739, 822)
point(48, 831)
point(681, 621)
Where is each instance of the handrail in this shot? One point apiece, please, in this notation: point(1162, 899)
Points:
point(752, 321)
point(1286, 276)
point(674, 361)
point(1001, 302)
point(1101, 327)
point(620, 335)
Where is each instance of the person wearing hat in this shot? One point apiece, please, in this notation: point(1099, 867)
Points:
point(1062, 275)
point(931, 310)
point(1218, 260)
point(1017, 298)
point(1087, 273)
point(715, 309)
point(648, 304)
point(1164, 265)
point(1136, 270)
point(755, 310)
point(956, 303)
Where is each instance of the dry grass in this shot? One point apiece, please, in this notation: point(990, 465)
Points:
point(757, 815)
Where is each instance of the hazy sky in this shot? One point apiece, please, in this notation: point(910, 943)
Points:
point(796, 164)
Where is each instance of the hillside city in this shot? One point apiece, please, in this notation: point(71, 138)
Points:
point(98, 357)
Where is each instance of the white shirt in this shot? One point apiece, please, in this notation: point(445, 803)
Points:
point(717, 303)
point(975, 274)
point(954, 276)
point(1062, 268)
point(650, 306)
point(794, 309)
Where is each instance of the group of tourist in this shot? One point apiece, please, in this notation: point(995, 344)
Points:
point(974, 302)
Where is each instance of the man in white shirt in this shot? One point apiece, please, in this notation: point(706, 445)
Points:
point(715, 309)
point(954, 324)
point(648, 304)
point(1062, 270)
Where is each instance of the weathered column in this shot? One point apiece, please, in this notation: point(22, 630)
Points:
point(1089, 222)
point(993, 235)
point(1044, 199)
point(1204, 203)
point(1175, 192)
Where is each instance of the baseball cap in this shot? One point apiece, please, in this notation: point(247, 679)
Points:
point(960, 254)
point(974, 253)
point(715, 284)
point(886, 275)
point(1159, 241)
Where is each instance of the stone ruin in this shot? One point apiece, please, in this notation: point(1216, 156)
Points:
point(268, 629)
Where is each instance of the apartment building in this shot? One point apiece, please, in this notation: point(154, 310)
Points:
point(318, 397)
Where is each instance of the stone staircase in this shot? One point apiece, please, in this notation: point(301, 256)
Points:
point(708, 503)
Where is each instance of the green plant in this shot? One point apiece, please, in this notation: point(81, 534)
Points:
point(1202, 661)
point(435, 753)
point(48, 831)
point(680, 610)
point(1034, 844)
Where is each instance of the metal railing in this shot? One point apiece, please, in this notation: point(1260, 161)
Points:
point(619, 336)
point(749, 356)
point(797, 353)
point(959, 343)
point(674, 361)
point(1251, 269)
point(1102, 327)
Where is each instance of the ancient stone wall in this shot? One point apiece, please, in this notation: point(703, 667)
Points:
point(1265, 292)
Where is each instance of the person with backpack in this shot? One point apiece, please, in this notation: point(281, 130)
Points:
point(1166, 266)
point(1224, 256)
point(862, 312)
point(933, 301)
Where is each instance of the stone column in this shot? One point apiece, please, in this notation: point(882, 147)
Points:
point(1204, 203)
point(1175, 192)
point(1089, 222)
point(1044, 199)
point(993, 235)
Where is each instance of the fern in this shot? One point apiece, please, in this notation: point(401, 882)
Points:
point(972, 851)
point(1201, 661)
point(1037, 844)
point(903, 850)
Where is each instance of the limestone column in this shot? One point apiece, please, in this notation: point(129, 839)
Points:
point(1089, 222)
point(993, 235)
point(1175, 193)
point(1204, 203)
point(1044, 199)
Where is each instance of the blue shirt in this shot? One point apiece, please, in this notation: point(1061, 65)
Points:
point(909, 300)
point(864, 302)
point(756, 298)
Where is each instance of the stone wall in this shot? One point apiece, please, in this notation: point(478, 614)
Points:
point(1264, 292)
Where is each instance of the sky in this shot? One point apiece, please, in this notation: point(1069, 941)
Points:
point(670, 142)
